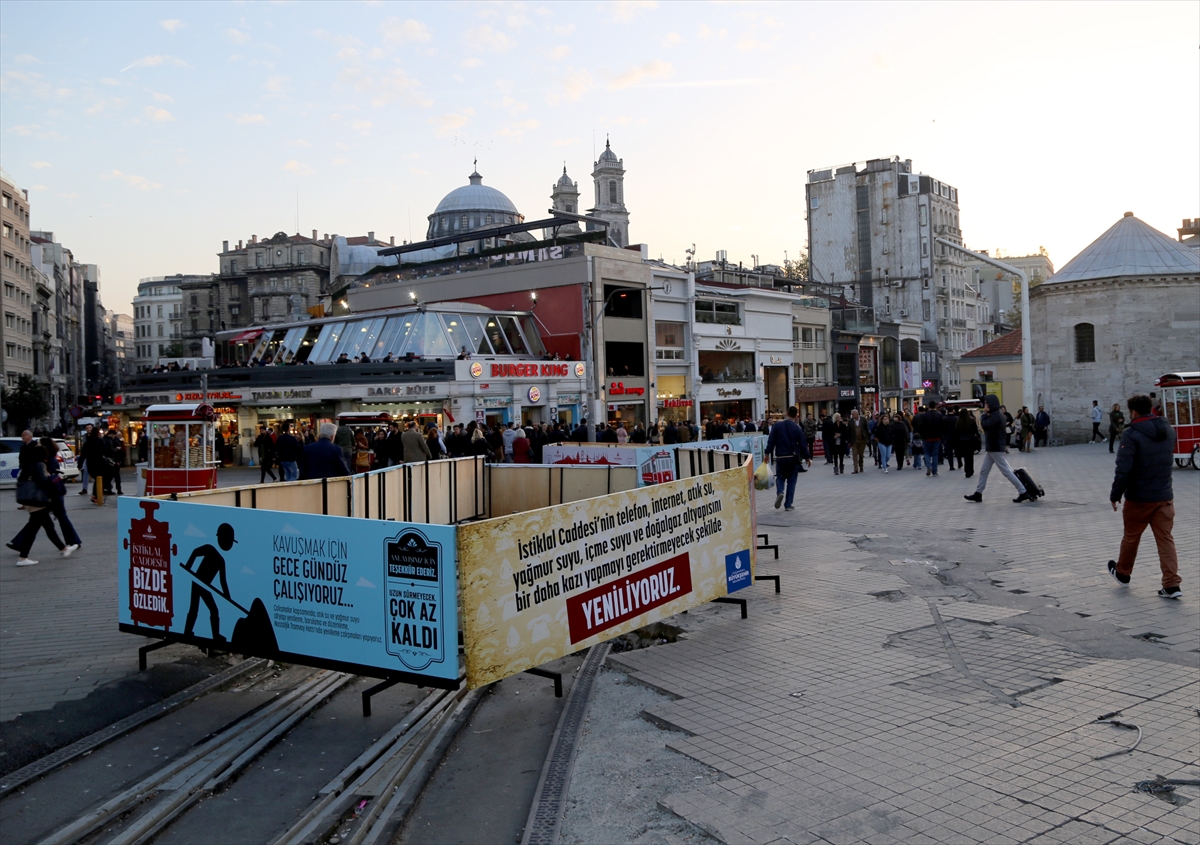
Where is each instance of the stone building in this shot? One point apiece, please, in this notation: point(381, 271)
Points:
point(18, 275)
point(1117, 316)
point(158, 318)
point(873, 230)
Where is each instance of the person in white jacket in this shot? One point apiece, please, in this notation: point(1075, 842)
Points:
point(1097, 416)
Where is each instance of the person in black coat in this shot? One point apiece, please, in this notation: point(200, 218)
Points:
point(40, 515)
point(323, 459)
point(950, 440)
point(93, 454)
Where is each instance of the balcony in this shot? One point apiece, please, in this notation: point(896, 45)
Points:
point(808, 344)
point(960, 323)
point(853, 319)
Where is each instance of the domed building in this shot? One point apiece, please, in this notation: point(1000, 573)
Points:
point(473, 206)
point(1117, 316)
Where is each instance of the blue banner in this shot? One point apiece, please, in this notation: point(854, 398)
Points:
point(366, 596)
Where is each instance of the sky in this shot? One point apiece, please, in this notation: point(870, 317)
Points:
point(148, 133)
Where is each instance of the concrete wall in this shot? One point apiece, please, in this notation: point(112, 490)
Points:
point(1144, 328)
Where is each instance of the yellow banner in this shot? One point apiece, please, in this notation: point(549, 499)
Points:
point(542, 584)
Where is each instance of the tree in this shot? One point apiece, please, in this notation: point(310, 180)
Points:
point(174, 350)
point(28, 401)
point(797, 269)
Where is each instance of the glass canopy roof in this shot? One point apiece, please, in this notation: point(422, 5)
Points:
point(419, 333)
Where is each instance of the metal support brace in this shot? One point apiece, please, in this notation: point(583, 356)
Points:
point(774, 578)
point(146, 649)
point(380, 687)
point(766, 544)
point(731, 600)
point(546, 673)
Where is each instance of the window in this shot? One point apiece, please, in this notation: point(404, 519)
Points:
point(724, 313)
point(822, 375)
point(622, 302)
point(160, 329)
point(925, 310)
point(487, 219)
point(465, 222)
point(612, 191)
point(624, 359)
point(258, 259)
point(924, 246)
point(668, 334)
point(1085, 343)
point(195, 300)
point(160, 310)
point(668, 338)
point(717, 367)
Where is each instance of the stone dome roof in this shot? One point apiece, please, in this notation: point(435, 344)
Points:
point(1130, 247)
point(608, 155)
point(475, 196)
point(564, 181)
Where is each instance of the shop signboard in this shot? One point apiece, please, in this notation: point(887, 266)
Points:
point(543, 584)
point(370, 597)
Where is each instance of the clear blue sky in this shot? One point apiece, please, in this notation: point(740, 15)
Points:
point(147, 133)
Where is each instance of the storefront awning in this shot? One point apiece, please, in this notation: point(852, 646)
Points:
point(247, 336)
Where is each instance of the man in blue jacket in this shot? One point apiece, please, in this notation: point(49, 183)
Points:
point(323, 459)
point(1143, 478)
point(788, 445)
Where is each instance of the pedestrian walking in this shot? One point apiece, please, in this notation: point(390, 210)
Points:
point(288, 452)
point(322, 459)
point(827, 436)
point(265, 444)
point(115, 460)
point(995, 442)
point(1026, 422)
point(94, 454)
point(838, 443)
point(1097, 418)
point(35, 492)
point(1116, 424)
point(1143, 479)
point(931, 427)
point(1041, 427)
point(787, 445)
point(860, 438)
point(883, 439)
point(344, 440)
point(85, 475)
point(416, 449)
point(967, 440)
point(900, 437)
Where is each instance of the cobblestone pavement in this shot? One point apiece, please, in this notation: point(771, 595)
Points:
point(58, 620)
point(934, 669)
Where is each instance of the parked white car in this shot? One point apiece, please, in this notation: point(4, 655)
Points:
point(10, 450)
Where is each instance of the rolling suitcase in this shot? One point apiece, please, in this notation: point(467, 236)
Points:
point(1031, 487)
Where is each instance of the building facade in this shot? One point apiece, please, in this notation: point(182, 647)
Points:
point(1002, 291)
point(19, 278)
point(873, 230)
point(158, 319)
point(1115, 318)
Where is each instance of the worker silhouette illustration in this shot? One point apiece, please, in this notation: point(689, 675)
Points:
point(211, 566)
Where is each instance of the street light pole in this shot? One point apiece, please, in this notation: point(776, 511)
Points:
point(1026, 339)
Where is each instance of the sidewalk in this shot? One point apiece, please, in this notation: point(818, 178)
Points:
point(934, 669)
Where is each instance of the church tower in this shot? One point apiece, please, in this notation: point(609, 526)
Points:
point(564, 196)
point(609, 176)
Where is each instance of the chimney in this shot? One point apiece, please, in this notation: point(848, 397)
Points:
point(224, 246)
point(325, 236)
point(392, 240)
point(370, 237)
point(239, 244)
point(314, 234)
point(253, 239)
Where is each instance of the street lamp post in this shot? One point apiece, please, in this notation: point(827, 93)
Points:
point(1026, 339)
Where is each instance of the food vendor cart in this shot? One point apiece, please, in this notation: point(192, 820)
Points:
point(182, 456)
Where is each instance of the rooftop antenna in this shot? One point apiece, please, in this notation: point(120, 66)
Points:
point(297, 208)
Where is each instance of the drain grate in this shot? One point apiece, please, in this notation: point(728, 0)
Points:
point(550, 799)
